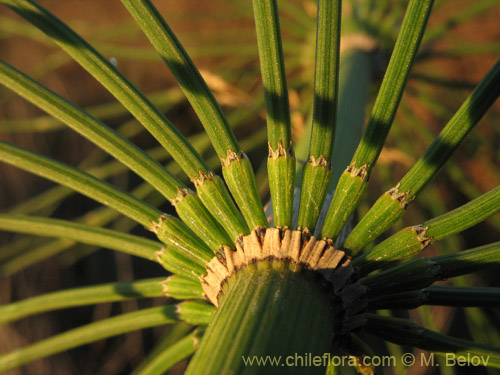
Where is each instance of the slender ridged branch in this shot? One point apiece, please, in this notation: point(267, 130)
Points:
point(407, 332)
point(174, 354)
point(281, 166)
point(211, 117)
point(81, 182)
point(412, 240)
point(196, 312)
point(239, 176)
point(80, 297)
point(89, 333)
point(169, 229)
point(180, 287)
point(140, 107)
point(281, 161)
point(128, 322)
point(187, 75)
point(382, 116)
point(177, 262)
point(326, 78)
point(97, 217)
point(103, 215)
point(188, 206)
point(315, 181)
point(273, 74)
point(114, 81)
point(317, 172)
point(464, 216)
point(422, 272)
point(391, 205)
point(91, 235)
point(439, 295)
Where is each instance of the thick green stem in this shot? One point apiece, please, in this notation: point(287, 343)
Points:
point(267, 309)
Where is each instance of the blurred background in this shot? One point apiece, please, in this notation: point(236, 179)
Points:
point(460, 45)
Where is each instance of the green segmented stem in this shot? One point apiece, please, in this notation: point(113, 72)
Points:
point(281, 160)
point(180, 239)
point(210, 115)
point(407, 332)
point(238, 172)
point(188, 206)
point(179, 263)
point(169, 229)
point(253, 301)
point(391, 205)
point(249, 321)
point(168, 358)
point(214, 195)
point(439, 295)
point(196, 312)
point(411, 240)
point(140, 107)
point(315, 181)
point(355, 181)
point(91, 235)
point(281, 176)
point(317, 171)
point(422, 272)
point(180, 287)
point(128, 322)
point(97, 217)
point(90, 295)
point(195, 215)
point(381, 118)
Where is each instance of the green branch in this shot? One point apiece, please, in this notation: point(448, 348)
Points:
point(439, 295)
point(185, 72)
point(142, 109)
point(118, 325)
point(354, 180)
point(412, 240)
point(169, 229)
point(407, 332)
point(317, 171)
point(81, 182)
point(214, 122)
point(281, 160)
point(422, 272)
point(180, 288)
point(391, 205)
point(168, 358)
point(80, 297)
point(188, 206)
point(91, 235)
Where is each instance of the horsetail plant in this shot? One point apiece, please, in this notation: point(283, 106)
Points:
point(252, 286)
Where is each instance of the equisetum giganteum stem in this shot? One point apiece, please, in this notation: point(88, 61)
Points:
point(281, 293)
